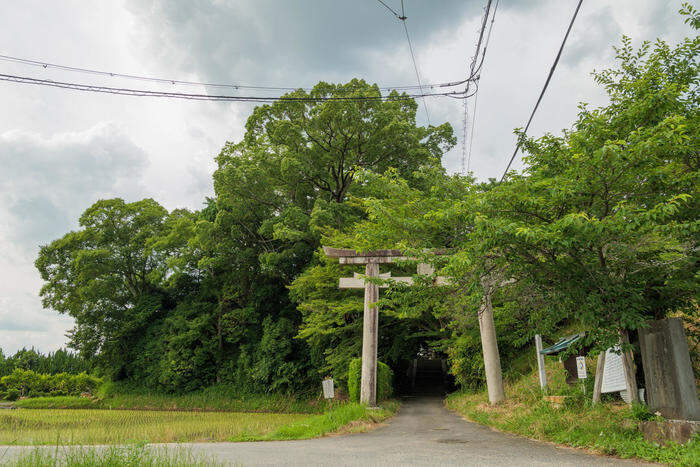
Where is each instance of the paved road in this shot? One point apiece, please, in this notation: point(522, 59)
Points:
point(423, 433)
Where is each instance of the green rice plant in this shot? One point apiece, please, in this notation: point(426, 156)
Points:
point(71, 427)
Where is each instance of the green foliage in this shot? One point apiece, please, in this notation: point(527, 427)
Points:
point(101, 275)
point(12, 394)
point(217, 398)
point(641, 412)
point(605, 218)
point(32, 384)
point(385, 376)
point(60, 361)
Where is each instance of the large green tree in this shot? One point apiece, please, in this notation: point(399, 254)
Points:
point(184, 299)
point(104, 276)
point(605, 217)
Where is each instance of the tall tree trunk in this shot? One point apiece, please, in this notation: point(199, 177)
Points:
point(489, 347)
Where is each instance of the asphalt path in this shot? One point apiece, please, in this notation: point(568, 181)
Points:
point(422, 433)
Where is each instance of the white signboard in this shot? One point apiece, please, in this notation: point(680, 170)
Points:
point(613, 372)
point(328, 390)
point(581, 367)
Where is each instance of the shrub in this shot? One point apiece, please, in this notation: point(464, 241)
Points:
point(385, 376)
point(32, 384)
point(641, 412)
point(12, 395)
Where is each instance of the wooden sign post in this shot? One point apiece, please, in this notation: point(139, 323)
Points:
point(370, 319)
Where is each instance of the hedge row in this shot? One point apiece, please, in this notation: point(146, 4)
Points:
point(385, 376)
point(31, 384)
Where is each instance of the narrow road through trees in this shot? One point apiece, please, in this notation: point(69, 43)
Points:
point(422, 433)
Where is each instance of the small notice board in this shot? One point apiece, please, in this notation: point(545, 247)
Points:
point(581, 367)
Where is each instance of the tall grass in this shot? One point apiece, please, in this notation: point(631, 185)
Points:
point(609, 428)
point(113, 456)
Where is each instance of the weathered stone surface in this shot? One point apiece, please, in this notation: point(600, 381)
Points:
point(679, 431)
point(670, 382)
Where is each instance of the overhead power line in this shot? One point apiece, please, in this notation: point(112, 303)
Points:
point(210, 97)
point(471, 138)
point(413, 57)
point(56, 66)
point(544, 88)
point(474, 74)
point(402, 18)
point(390, 9)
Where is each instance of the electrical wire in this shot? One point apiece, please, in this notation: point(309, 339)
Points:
point(49, 65)
point(413, 57)
point(210, 97)
point(471, 137)
point(544, 88)
point(473, 77)
point(390, 9)
point(402, 18)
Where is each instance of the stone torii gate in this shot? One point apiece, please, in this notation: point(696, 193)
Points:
point(370, 320)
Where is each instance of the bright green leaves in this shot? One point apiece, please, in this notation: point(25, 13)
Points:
point(605, 215)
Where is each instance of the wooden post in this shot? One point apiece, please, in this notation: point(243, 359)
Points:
point(540, 363)
point(489, 347)
point(628, 367)
point(370, 328)
point(598, 385)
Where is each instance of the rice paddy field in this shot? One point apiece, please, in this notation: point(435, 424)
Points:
point(94, 426)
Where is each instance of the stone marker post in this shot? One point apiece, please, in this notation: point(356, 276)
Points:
point(668, 373)
point(489, 347)
point(598, 384)
point(540, 362)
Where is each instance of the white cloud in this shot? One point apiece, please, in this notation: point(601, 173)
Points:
point(45, 184)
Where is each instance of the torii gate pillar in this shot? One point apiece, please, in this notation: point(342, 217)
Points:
point(370, 333)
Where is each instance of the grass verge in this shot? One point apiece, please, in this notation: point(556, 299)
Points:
point(608, 428)
point(346, 418)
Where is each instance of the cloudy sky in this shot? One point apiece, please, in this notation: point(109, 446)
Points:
point(62, 150)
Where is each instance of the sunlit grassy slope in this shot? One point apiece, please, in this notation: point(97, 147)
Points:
point(609, 428)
